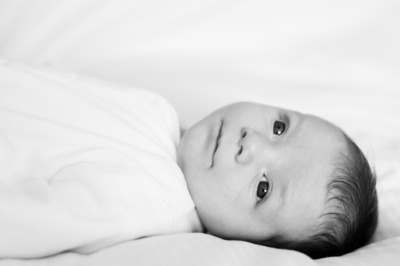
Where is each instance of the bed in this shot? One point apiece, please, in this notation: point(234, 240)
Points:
point(336, 59)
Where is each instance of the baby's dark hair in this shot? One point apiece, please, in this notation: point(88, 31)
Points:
point(351, 214)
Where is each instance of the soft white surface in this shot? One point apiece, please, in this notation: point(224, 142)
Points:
point(336, 59)
point(85, 164)
point(202, 249)
point(214, 51)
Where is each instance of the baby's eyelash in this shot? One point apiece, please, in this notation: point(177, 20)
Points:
point(266, 179)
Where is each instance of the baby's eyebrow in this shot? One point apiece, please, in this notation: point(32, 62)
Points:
point(285, 118)
point(295, 123)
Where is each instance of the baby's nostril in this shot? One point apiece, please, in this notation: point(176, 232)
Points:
point(241, 149)
point(244, 133)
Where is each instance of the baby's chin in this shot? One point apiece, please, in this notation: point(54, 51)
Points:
point(179, 157)
point(183, 152)
point(182, 132)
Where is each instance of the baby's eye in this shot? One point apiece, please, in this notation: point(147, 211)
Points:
point(263, 188)
point(279, 127)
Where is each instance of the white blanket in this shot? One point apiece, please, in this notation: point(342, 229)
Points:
point(85, 165)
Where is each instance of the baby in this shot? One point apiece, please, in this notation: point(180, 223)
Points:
point(279, 178)
point(96, 164)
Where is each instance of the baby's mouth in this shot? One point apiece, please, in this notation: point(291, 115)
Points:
point(217, 142)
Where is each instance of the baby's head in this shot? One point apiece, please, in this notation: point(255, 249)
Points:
point(279, 178)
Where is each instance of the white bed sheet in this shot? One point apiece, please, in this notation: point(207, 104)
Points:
point(201, 249)
point(339, 60)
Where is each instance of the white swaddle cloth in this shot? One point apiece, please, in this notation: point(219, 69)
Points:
point(85, 164)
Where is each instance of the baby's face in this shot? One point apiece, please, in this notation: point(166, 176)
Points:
point(255, 171)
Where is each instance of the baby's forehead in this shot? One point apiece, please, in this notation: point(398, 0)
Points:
point(324, 126)
point(312, 156)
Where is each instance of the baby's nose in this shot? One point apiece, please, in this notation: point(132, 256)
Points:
point(252, 145)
